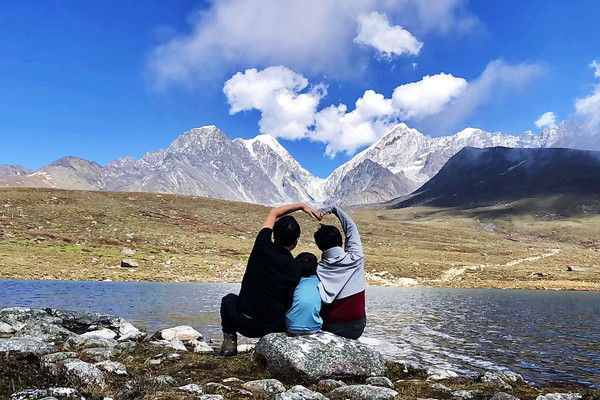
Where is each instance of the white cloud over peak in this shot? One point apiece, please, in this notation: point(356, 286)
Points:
point(546, 120)
point(289, 107)
point(375, 30)
point(589, 108)
point(428, 96)
point(279, 94)
point(596, 66)
point(314, 36)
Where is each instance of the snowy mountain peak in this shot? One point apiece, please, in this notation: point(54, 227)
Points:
point(197, 139)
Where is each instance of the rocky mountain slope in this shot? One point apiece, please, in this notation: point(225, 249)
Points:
point(8, 169)
point(204, 162)
point(481, 177)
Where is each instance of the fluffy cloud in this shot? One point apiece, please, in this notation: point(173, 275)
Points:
point(428, 96)
point(546, 120)
point(314, 36)
point(375, 30)
point(596, 67)
point(289, 107)
point(589, 108)
point(278, 93)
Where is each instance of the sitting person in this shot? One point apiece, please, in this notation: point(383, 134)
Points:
point(303, 318)
point(342, 276)
point(271, 277)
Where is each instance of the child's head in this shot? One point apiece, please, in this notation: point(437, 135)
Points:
point(328, 236)
point(309, 263)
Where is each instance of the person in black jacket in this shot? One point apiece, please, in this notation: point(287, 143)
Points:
point(268, 285)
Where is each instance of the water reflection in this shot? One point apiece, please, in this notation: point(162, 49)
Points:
point(542, 335)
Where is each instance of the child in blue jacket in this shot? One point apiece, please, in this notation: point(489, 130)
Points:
point(303, 317)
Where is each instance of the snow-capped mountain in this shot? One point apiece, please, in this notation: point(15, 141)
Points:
point(200, 162)
point(204, 162)
point(415, 158)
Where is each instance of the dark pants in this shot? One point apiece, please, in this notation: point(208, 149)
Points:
point(350, 330)
point(233, 321)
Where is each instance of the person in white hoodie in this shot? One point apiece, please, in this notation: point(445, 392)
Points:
point(342, 277)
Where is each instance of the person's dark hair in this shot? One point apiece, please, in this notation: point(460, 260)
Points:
point(328, 236)
point(286, 230)
point(309, 263)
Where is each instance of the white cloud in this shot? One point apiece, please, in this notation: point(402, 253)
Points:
point(289, 110)
point(596, 67)
point(589, 108)
point(277, 93)
point(313, 36)
point(375, 30)
point(428, 96)
point(546, 120)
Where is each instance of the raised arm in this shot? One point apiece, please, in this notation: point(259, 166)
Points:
point(353, 243)
point(285, 210)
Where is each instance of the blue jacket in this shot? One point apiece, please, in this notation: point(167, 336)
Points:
point(304, 314)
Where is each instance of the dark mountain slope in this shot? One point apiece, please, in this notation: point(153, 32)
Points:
point(479, 177)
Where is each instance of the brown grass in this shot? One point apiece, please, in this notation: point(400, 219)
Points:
point(58, 234)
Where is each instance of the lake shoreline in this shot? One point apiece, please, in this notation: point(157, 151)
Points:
point(500, 285)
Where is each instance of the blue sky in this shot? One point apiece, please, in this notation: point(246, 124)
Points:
point(106, 79)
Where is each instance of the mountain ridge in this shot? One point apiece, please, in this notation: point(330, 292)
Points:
point(205, 162)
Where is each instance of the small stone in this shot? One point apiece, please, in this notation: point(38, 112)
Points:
point(232, 380)
point(192, 388)
point(103, 333)
point(85, 373)
point(164, 380)
point(182, 332)
point(128, 251)
point(265, 386)
point(129, 263)
point(6, 329)
point(210, 397)
point(177, 344)
point(436, 374)
point(299, 392)
point(440, 387)
point(201, 347)
point(380, 381)
point(504, 396)
point(327, 385)
point(219, 388)
point(495, 379)
point(363, 392)
point(112, 367)
point(463, 394)
point(560, 396)
point(575, 269)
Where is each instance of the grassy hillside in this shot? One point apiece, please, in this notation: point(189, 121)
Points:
point(57, 234)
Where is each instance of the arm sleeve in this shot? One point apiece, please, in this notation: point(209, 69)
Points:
point(263, 237)
point(353, 244)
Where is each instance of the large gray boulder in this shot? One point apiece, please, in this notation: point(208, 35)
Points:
point(319, 356)
point(24, 345)
point(85, 373)
point(44, 332)
point(18, 317)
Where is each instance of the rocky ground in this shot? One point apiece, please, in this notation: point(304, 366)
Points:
point(549, 243)
point(56, 354)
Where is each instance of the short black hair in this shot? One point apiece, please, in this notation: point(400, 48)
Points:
point(328, 236)
point(286, 231)
point(309, 263)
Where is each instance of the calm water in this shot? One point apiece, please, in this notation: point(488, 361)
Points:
point(541, 334)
